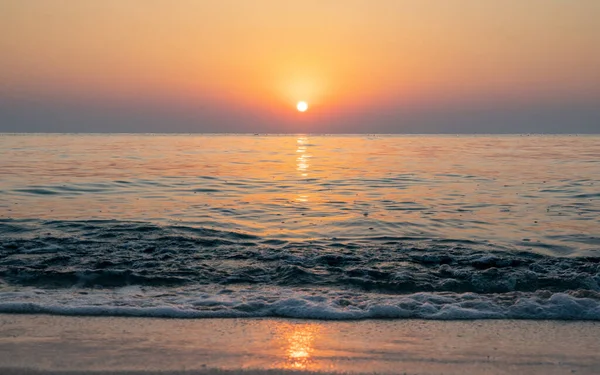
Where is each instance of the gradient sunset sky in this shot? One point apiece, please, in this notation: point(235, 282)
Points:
point(377, 66)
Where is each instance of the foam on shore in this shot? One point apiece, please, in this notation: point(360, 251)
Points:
point(308, 303)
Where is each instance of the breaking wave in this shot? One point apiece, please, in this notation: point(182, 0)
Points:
point(141, 269)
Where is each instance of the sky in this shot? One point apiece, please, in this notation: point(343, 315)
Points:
point(363, 66)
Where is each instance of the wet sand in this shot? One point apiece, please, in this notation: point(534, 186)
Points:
point(35, 344)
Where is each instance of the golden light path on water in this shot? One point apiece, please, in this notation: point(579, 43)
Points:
point(302, 163)
point(297, 345)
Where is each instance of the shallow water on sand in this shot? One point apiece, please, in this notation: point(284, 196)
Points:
point(354, 226)
point(127, 346)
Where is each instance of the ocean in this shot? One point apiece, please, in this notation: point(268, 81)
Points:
point(306, 226)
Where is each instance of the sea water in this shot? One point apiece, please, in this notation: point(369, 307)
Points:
point(305, 226)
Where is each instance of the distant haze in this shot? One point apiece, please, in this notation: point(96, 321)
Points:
point(385, 66)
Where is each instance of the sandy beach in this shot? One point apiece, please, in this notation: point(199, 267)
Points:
point(31, 344)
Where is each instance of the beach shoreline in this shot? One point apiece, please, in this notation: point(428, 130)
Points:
point(36, 344)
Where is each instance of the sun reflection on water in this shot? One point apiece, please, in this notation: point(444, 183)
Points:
point(302, 163)
point(298, 345)
point(303, 158)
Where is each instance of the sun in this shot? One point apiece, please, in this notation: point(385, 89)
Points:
point(302, 106)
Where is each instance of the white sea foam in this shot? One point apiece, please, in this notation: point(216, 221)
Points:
point(321, 303)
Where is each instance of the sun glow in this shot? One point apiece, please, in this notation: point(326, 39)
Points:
point(302, 106)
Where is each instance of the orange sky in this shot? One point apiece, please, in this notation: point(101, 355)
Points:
point(265, 55)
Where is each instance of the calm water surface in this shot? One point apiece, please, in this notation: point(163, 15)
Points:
point(377, 214)
point(537, 193)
